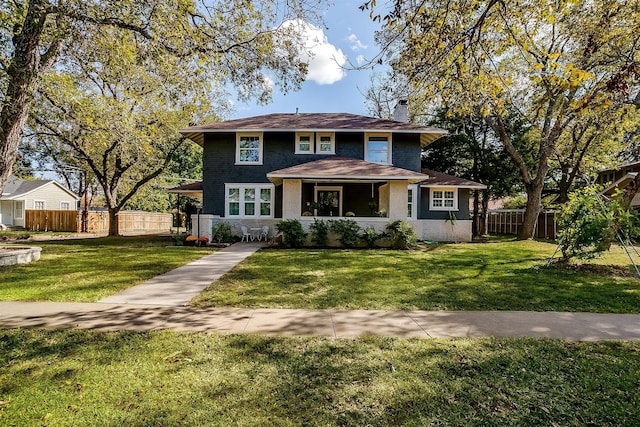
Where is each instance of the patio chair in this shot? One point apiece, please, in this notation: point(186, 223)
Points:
point(246, 236)
point(264, 234)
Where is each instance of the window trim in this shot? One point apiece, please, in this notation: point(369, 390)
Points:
point(18, 213)
point(239, 136)
point(311, 143)
point(443, 208)
point(67, 203)
point(332, 137)
point(337, 188)
point(242, 186)
point(413, 188)
point(44, 205)
point(368, 135)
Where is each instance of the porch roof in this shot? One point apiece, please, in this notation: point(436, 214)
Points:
point(439, 179)
point(192, 190)
point(346, 169)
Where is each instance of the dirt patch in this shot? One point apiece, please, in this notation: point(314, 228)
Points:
point(604, 270)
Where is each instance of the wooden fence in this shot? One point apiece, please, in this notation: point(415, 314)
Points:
point(98, 222)
point(504, 221)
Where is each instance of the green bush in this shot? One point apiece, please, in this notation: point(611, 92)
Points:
point(221, 232)
point(369, 236)
point(293, 234)
point(178, 238)
point(348, 231)
point(401, 234)
point(319, 232)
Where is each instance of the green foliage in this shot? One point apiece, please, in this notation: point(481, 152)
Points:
point(293, 233)
point(319, 232)
point(348, 231)
point(589, 225)
point(178, 238)
point(401, 234)
point(222, 232)
point(369, 236)
point(518, 201)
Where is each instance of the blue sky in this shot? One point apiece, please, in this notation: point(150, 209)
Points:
point(347, 36)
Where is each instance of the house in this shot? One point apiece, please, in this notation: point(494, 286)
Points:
point(20, 195)
point(260, 170)
point(619, 177)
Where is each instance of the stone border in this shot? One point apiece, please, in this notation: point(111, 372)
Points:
point(19, 254)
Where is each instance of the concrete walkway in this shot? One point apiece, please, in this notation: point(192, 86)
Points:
point(179, 286)
point(336, 324)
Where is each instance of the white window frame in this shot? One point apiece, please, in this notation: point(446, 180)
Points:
point(387, 135)
point(332, 138)
point(413, 189)
point(432, 190)
point(311, 143)
point(68, 204)
point(337, 188)
point(239, 136)
point(242, 187)
point(44, 205)
point(18, 209)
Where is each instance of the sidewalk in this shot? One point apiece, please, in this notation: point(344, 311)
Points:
point(336, 324)
point(178, 287)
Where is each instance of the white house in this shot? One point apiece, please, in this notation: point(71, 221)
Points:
point(20, 195)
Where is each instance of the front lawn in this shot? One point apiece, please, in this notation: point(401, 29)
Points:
point(90, 269)
point(509, 275)
point(75, 377)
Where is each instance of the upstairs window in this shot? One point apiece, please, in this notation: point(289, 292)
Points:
point(326, 143)
point(378, 148)
point(249, 149)
point(304, 143)
point(444, 199)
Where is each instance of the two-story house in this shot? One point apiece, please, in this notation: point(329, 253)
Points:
point(260, 170)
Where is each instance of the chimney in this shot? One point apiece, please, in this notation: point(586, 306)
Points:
point(401, 111)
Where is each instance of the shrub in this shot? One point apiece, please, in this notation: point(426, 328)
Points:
point(348, 231)
point(178, 238)
point(401, 234)
point(221, 232)
point(293, 234)
point(319, 232)
point(369, 236)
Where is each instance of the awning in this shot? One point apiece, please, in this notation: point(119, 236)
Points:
point(192, 190)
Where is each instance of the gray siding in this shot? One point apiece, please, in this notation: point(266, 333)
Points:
point(279, 153)
point(461, 213)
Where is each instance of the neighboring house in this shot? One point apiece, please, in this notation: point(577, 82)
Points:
point(618, 178)
point(260, 170)
point(20, 195)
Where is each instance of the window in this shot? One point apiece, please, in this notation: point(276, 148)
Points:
point(326, 144)
point(65, 206)
point(39, 205)
point(249, 200)
point(304, 143)
point(444, 199)
point(411, 201)
point(249, 149)
point(378, 148)
point(17, 208)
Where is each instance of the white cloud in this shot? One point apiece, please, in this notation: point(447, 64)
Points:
point(356, 44)
point(325, 60)
point(360, 59)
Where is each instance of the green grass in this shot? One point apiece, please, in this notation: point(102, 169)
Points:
point(90, 269)
point(74, 377)
point(510, 275)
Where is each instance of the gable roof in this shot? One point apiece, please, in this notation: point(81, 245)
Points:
point(343, 168)
point(439, 179)
point(312, 122)
point(17, 188)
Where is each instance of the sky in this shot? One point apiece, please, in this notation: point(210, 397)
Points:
point(347, 37)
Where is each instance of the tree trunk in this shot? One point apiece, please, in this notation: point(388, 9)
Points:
point(114, 228)
point(476, 214)
point(485, 212)
point(534, 206)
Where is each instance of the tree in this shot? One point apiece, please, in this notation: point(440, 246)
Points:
point(552, 62)
point(238, 41)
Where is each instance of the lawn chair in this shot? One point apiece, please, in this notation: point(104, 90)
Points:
point(246, 236)
point(264, 234)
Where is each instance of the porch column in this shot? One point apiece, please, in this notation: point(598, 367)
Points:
point(398, 199)
point(291, 198)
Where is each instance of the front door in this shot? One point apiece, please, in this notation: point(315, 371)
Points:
point(329, 201)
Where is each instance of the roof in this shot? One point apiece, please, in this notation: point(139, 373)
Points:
point(17, 188)
point(621, 183)
point(313, 122)
point(439, 179)
point(343, 168)
point(192, 190)
point(619, 167)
